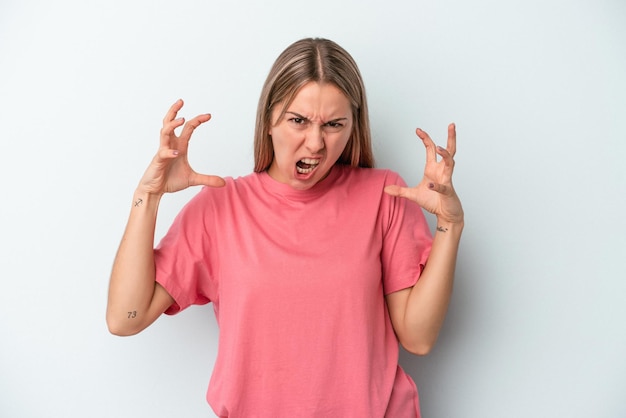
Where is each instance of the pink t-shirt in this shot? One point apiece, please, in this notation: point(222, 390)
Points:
point(297, 280)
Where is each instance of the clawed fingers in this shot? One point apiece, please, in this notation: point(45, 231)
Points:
point(170, 122)
point(432, 150)
point(192, 124)
point(438, 174)
point(206, 180)
point(394, 190)
point(435, 192)
point(451, 146)
point(167, 131)
point(173, 111)
point(166, 153)
point(446, 156)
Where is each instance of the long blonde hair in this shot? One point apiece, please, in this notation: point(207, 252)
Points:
point(323, 61)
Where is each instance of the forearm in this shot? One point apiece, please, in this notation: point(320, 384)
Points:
point(427, 302)
point(132, 282)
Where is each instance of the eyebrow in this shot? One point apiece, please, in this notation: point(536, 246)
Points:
point(305, 118)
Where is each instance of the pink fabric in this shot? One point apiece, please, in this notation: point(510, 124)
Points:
point(297, 280)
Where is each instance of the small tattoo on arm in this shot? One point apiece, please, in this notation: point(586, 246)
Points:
point(441, 229)
point(132, 314)
point(138, 202)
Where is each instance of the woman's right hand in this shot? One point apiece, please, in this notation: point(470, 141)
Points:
point(169, 170)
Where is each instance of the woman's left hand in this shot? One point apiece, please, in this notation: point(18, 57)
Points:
point(435, 192)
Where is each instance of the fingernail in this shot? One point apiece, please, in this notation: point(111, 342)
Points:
point(175, 152)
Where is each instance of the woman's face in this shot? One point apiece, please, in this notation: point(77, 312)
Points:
point(310, 137)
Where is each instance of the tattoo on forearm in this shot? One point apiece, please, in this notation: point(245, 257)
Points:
point(138, 202)
point(132, 314)
point(441, 229)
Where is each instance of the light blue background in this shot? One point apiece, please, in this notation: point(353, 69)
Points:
point(538, 92)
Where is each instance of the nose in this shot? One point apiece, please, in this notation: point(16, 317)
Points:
point(314, 140)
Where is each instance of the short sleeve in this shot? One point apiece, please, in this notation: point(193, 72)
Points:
point(182, 258)
point(406, 240)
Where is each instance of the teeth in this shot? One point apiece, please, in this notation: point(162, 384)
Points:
point(306, 165)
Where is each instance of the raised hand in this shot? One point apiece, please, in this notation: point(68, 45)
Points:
point(169, 170)
point(435, 192)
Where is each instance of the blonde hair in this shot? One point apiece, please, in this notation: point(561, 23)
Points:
point(313, 60)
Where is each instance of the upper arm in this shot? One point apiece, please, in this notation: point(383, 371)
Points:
point(406, 331)
point(160, 302)
point(396, 304)
point(135, 321)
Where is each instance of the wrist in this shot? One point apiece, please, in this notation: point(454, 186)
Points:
point(444, 225)
point(142, 198)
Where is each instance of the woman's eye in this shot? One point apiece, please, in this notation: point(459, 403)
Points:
point(298, 121)
point(333, 126)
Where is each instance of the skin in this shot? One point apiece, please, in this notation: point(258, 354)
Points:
point(417, 313)
point(132, 287)
point(317, 125)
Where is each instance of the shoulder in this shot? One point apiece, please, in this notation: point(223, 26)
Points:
point(232, 186)
point(210, 198)
point(375, 177)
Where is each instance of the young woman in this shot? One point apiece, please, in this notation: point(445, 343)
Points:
point(317, 264)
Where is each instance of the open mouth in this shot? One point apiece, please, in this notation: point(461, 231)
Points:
point(306, 165)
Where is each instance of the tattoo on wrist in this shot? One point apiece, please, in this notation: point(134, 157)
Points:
point(138, 202)
point(441, 229)
point(132, 314)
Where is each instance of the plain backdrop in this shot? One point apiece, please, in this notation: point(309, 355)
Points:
point(537, 89)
